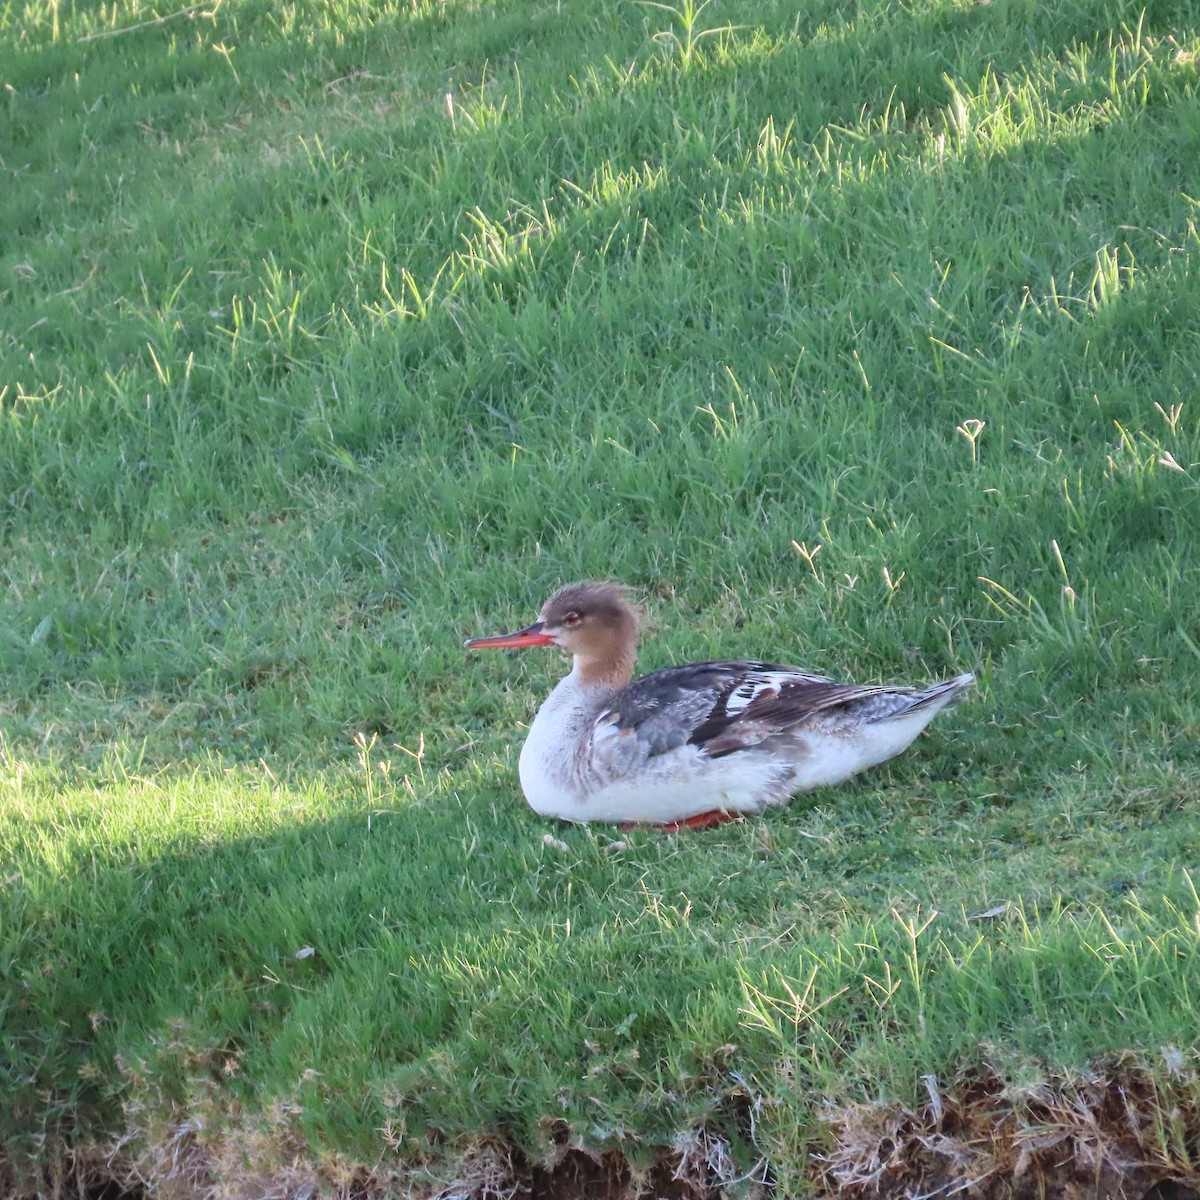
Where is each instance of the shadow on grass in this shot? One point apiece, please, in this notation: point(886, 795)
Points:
point(402, 972)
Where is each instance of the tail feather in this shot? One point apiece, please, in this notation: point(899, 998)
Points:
point(940, 694)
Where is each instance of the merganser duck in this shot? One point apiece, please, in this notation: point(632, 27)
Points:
point(697, 744)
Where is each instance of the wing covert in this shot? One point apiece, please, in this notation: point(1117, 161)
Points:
point(695, 704)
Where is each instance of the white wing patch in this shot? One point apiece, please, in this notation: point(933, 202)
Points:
point(758, 684)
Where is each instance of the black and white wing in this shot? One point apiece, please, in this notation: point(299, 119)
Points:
point(720, 707)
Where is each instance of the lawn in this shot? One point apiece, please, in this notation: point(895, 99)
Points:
point(860, 336)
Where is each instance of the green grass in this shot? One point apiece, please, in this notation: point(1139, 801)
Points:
point(330, 334)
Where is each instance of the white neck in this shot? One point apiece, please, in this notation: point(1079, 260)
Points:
point(555, 759)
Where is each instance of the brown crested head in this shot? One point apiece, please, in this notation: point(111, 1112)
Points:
point(598, 624)
point(588, 601)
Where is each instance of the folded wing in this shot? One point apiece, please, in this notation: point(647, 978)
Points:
point(722, 707)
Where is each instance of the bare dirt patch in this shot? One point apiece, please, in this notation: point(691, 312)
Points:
point(1118, 1133)
point(608, 1176)
point(1114, 1133)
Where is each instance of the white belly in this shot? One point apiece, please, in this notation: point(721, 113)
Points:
point(679, 785)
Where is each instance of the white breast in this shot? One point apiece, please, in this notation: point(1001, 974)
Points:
point(554, 766)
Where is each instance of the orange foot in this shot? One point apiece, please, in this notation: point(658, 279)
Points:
point(704, 820)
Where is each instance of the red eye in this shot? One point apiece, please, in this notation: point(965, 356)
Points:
point(572, 618)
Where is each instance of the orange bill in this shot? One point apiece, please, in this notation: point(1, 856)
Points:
point(530, 636)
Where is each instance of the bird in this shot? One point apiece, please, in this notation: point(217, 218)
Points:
point(691, 746)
